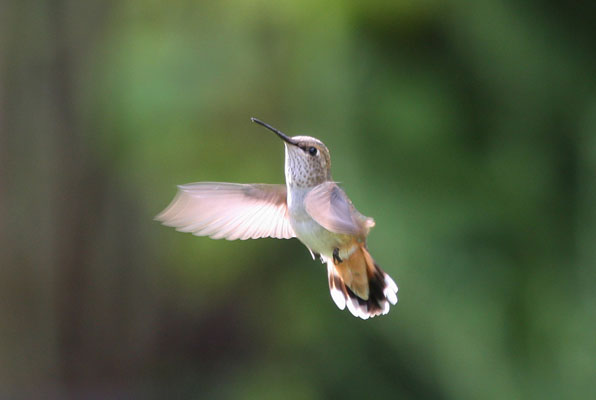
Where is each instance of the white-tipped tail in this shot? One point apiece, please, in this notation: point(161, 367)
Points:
point(382, 290)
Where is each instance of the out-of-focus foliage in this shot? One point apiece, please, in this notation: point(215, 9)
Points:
point(467, 129)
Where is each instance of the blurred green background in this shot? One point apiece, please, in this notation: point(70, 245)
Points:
point(467, 129)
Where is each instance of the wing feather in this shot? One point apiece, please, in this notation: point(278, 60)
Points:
point(230, 211)
point(328, 204)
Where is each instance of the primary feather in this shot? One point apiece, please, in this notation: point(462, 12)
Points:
point(230, 211)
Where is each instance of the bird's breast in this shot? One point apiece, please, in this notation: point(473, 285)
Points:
point(309, 231)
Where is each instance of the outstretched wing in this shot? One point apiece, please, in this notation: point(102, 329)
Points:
point(229, 210)
point(328, 204)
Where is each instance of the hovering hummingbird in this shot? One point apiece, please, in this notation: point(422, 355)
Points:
point(310, 207)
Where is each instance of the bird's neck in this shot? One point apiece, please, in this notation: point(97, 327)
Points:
point(300, 175)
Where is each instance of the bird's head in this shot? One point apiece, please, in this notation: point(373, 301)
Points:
point(307, 159)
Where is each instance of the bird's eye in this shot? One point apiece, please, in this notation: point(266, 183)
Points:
point(312, 151)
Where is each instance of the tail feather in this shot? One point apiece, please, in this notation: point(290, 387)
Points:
point(346, 286)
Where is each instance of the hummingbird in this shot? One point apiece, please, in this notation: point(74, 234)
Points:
point(310, 207)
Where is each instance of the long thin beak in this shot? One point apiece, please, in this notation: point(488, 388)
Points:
point(279, 133)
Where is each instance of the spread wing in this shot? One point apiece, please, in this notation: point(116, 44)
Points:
point(328, 204)
point(229, 210)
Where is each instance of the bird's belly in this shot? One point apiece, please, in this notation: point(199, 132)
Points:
point(317, 238)
point(310, 232)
